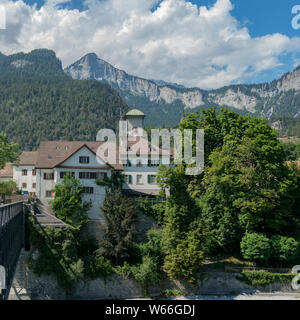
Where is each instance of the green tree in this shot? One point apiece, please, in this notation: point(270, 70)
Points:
point(290, 150)
point(7, 189)
point(285, 249)
point(184, 237)
point(119, 227)
point(115, 182)
point(256, 247)
point(68, 204)
point(9, 151)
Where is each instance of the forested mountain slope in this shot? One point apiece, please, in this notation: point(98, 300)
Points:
point(39, 102)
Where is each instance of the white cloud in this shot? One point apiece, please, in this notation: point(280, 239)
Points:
point(178, 42)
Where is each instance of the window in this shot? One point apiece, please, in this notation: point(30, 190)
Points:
point(84, 160)
point(102, 175)
point(49, 194)
point(153, 163)
point(139, 179)
point(24, 185)
point(24, 172)
point(63, 173)
point(128, 179)
point(88, 175)
point(49, 176)
point(33, 185)
point(33, 172)
point(151, 179)
point(88, 190)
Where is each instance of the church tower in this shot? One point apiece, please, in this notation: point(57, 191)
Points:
point(135, 122)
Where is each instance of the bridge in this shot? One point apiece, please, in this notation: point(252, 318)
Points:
point(13, 237)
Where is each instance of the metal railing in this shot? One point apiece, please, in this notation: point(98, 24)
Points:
point(12, 222)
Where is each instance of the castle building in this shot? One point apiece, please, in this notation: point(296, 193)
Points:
point(38, 172)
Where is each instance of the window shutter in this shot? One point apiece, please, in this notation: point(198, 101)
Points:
point(130, 179)
point(149, 179)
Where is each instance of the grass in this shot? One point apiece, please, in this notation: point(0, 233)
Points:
point(172, 293)
point(228, 262)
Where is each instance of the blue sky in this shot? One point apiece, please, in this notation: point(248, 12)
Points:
point(261, 18)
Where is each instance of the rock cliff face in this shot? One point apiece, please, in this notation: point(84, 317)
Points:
point(278, 98)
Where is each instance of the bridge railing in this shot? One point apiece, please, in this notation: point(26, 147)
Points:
point(12, 222)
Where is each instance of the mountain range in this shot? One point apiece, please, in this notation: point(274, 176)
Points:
point(163, 102)
point(39, 100)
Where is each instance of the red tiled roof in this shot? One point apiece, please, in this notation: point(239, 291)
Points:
point(53, 153)
point(7, 171)
point(28, 158)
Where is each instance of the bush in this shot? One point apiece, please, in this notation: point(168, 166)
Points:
point(97, 266)
point(153, 247)
point(284, 248)
point(125, 270)
point(172, 293)
point(58, 254)
point(256, 247)
point(147, 273)
point(264, 278)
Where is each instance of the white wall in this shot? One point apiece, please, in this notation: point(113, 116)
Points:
point(43, 185)
point(29, 179)
point(96, 198)
point(145, 170)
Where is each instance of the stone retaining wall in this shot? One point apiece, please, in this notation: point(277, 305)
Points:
point(27, 285)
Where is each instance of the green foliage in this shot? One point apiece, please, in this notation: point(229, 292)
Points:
point(184, 236)
point(9, 152)
point(156, 210)
point(67, 204)
point(291, 151)
point(58, 254)
point(37, 63)
point(146, 273)
point(185, 260)
point(264, 278)
point(149, 268)
point(172, 293)
point(63, 253)
point(97, 266)
point(120, 217)
point(8, 188)
point(256, 247)
point(247, 186)
point(115, 182)
point(124, 270)
point(39, 102)
point(153, 247)
point(285, 249)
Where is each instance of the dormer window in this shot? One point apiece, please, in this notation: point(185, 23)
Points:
point(84, 160)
